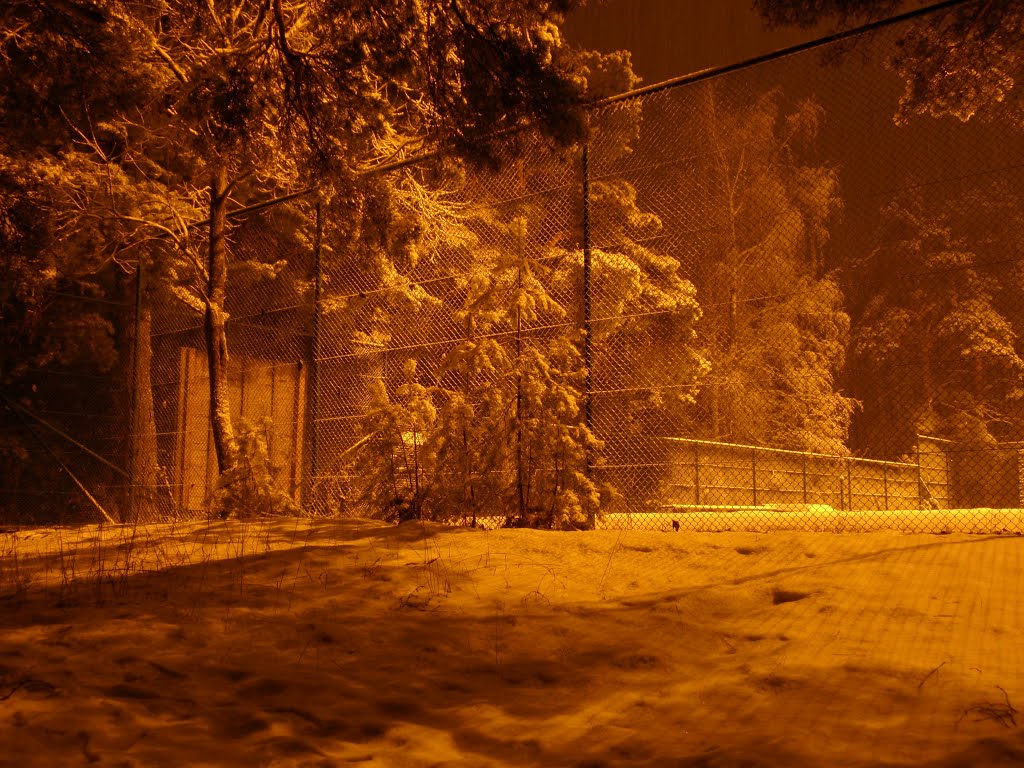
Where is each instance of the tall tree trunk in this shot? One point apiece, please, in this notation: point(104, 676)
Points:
point(147, 488)
point(216, 335)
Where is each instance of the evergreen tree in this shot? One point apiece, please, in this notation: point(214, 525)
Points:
point(64, 68)
point(962, 61)
point(395, 466)
point(452, 262)
point(524, 315)
point(934, 352)
point(540, 402)
point(238, 100)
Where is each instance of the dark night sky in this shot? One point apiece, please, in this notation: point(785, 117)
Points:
point(669, 38)
point(674, 37)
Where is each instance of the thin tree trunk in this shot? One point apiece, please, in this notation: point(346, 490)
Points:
point(144, 495)
point(145, 468)
point(927, 379)
point(216, 335)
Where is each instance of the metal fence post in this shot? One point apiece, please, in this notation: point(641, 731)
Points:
point(587, 340)
point(696, 474)
point(805, 477)
point(849, 485)
point(885, 485)
point(313, 399)
point(920, 476)
point(588, 352)
point(133, 412)
point(753, 473)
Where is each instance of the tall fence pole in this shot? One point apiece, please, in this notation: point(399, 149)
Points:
point(696, 473)
point(588, 349)
point(849, 485)
point(314, 362)
point(885, 485)
point(920, 476)
point(804, 467)
point(753, 473)
point(133, 412)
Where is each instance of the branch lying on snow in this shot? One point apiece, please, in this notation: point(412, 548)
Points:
point(926, 677)
point(1005, 714)
point(177, 70)
point(24, 682)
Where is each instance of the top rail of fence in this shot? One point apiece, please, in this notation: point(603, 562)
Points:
point(786, 451)
point(779, 53)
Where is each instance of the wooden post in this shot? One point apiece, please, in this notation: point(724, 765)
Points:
point(520, 483)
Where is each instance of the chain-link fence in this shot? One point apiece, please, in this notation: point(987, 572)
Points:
point(63, 429)
point(752, 300)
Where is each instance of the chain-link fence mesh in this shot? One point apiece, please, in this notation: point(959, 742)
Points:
point(750, 301)
point(64, 441)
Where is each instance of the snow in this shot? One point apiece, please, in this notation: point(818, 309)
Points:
point(334, 642)
point(823, 518)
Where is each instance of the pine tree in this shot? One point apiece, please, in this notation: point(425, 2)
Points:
point(962, 61)
point(395, 466)
point(934, 352)
point(235, 101)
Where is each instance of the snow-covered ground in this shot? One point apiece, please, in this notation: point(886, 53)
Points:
point(318, 643)
point(822, 518)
